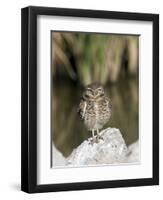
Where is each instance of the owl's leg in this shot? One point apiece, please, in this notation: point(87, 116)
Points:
point(93, 133)
point(93, 139)
point(99, 136)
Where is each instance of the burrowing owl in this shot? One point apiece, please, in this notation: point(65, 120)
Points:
point(94, 109)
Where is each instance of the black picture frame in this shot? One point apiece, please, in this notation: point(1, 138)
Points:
point(29, 98)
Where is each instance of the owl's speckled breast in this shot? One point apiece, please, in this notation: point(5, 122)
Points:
point(97, 114)
point(94, 108)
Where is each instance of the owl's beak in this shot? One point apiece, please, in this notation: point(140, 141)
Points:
point(95, 94)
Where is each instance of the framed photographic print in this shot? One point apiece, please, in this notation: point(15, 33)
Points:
point(90, 99)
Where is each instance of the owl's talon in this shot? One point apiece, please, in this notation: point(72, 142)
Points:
point(93, 140)
point(99, 137)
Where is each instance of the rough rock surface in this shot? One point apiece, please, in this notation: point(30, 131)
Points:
point(133, 155)
point(109, 150)
point(58, 158)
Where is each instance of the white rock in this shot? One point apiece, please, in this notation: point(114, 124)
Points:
point(109, 150)
point(133, 155)
point(58, 158)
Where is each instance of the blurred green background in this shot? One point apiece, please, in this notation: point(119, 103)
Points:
point(82, 58)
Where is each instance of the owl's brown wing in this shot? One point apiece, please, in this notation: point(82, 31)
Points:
point(82, 108)
point(108, 101)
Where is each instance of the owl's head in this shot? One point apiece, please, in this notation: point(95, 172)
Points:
point(94, 91)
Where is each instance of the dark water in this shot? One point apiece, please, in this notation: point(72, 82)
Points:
point(68, 131)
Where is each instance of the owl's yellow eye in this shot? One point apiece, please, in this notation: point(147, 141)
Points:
point(89, 92)
point(100, 90)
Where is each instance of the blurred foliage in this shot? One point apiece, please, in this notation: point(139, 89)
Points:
point(88, 58)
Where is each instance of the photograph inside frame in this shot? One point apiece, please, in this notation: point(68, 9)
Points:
point(94, 99)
